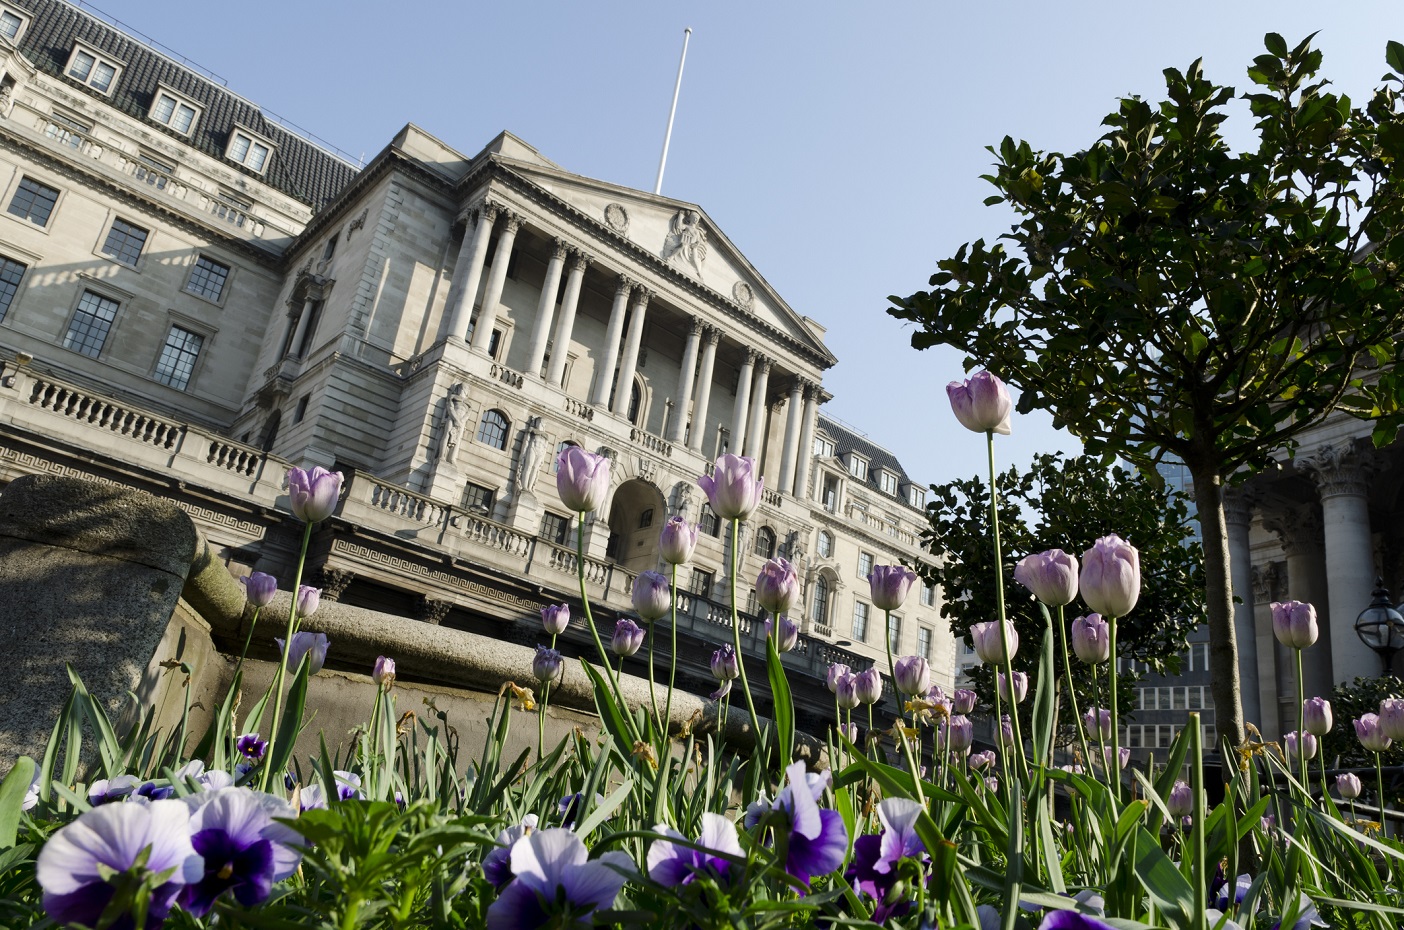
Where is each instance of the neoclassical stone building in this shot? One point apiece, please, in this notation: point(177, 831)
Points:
point(192, 298)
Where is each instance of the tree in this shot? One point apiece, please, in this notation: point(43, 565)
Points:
point(1074, 501)
point(1163, 294)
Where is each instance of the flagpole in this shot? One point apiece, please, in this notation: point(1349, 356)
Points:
point(672, 112)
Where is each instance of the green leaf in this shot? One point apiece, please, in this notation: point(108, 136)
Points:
point(1014, 857)
point(1163, 882)
point(12, 792)
point(282, 749)
point(784, 703)
point(610, 714)
point(1276, 44)
point(1394, 55)
point(603, 810)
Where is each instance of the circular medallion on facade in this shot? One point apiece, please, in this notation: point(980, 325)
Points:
point(741, 293)
point(617, 217)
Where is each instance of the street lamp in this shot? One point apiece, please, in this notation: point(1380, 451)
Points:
point(1380, 626)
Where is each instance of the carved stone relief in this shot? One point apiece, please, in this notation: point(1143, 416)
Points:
point(534, 444)
point(742, 294)
point(686, 243)
point(334, 582)
point(616, 217)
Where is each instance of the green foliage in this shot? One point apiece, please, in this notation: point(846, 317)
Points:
point(1340, 748)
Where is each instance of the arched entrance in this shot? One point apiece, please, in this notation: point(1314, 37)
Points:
point(635, 520)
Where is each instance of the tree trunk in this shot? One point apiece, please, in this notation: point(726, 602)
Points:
point(1218, 584)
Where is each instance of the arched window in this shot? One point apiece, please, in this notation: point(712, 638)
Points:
point(561, 447)
point(493, 430)
point(635, 399)
point(819, 602)
point(826, 544)
point(765, 543)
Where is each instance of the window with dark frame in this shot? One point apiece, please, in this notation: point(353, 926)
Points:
point(765, 543)
point(478, 499)
point(825, 545)
point(819, 602)
point(702, 582)
point(34, 202)
point(894, 633)
point(178, 357)
point(92, 321)
point(10, 25)
point(555, 528)
point(314, 316)
point(708, 522)
point(124, 241)
point(87, 68)
point(493, 430)
point(924, 642)
point(248, 152)
point(11, 273)
point(860, 621)
point(208, 278)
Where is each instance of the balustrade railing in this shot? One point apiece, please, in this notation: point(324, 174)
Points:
point(105, 414)
point(506, 375)
point(651, 442)
point(579, 408)
point(236, 457)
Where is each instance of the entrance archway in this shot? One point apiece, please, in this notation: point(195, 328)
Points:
point(635, 520)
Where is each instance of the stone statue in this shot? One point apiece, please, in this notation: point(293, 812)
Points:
point(455, 412)
point(534, 444)
point(686, 244)
point(682, 500)
point(7, 98)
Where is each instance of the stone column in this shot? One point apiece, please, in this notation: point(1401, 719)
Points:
point(704, 388)
point(1298, 528)
point(678, 428)
point(469, 267)
point(1238, 513)
point(1273, 678)
point(300, 331)
point(1350, 556)
point(805, 455)
point(614, 332)
point(755, 432)
point(629, 363)
point(487, 315)
point(792, 430)
point(743, 402)
point(560, 351)
point(546, 310)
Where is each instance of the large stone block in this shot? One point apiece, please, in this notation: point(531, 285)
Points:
point(90, 575)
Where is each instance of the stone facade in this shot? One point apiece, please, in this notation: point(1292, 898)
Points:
point(195, 298)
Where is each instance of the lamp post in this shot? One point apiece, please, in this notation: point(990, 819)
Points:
point(1380, 626)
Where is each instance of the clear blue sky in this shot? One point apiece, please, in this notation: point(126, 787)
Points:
point(838, 145)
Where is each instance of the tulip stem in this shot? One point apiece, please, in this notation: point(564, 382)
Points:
point(1072, 699)
point(736, 636)
point(901, 722)
point(1113, 776)
point(1023, 768)
point(652, 696)
point(590, 624)
point(1301, 729)
point(541, 711)
point(282, 674)
point(1097, 722)
point(672, 660)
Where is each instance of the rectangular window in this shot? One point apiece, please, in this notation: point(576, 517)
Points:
point(10, 25)
point(124, 242)
point(823, 447)
point(924, 642)
point(178, 357)
point(247, 151)
point(555, 528)
point(11, 273)
point(207, 278)
point(831, 494)
point(888, 483)
point(858, 467)
point(1178, 696)
point(860, 621)
point(928, 595)
point(301, 412)
point(894, 633)
point(169, 111)
point(90, 325)
point(865, 565)
point(1131, 738)
point(916, 497)
point(34, 202)
point(702, 583)
point(708, 523)
point(89, 68)
point(477, 498)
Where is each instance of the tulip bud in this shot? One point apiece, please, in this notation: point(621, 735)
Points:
point(548, 665)
point(1021, 687)
point(868, 686)
point(787, 638)
point(836, 671)
point(777, 586)
point(725, 665)
point(1098, 720)
point(1316, 716)
point(1051, 576)
point(847, 693)
point(733, 488)
point(259, 588)
point(1392, 718)
point(1372, 737)
point(988, 645)
point(652, 596)
point(1111, 576)
point(1123, 754)
point(677, 541)
point(314, 493)
point(1006, 732)
point(912, 675)
point(982, 760)
point(960, 733)
point(992, 784)
point(308, 600)
point(1304, 743)
point(383, 673)
point(1091, 639)
point(981, 403)
point(1294, 624)
point(555, 619)
point(628, 637)
point(1348, 786)
point(312, 645)
point(850, 732)
point(582, 479)
point(963, 701)
point(890, 585)
point(1181, 800)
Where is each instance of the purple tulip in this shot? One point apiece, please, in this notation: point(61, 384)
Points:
point(847, 694)
point(555, 884)
point(1219, 891)
point(960, 733)
point(788, 637)
point(308, 600)
point(1305, 743)
point(836, 672)
point(1111, 576)
point(777, 586)
point(1348, 786)
point(497, 864)
point(259, 588)
point(1180, 803)
point(244, 847)
point(1021, 687)
point(1392, 718)
point(876, 857)
point(1372, 737)
point(582, 479)
point(555, 619)
point(963, 701)
point(911, 675)
point(981, 403)
point(314, 493)
point(672, 866)
point(1098, 720)
point(818, 840)
point(724, 664)
point(652, 596)
point(1123, 754)
point(251, 747)
point(1294, 624)
point(1091, 639)
point(77, 863)
point(383, 673)
point(983, 760)
point(1316, 716)
point(992, 783)
point(890, 585)
point(312, 645)
point(677, 541)
point(868, 686)
point(1006, 732)
point(986, 640)
point(733, 488)
point(628, 637)
point(548, 665)
point(1051, 576)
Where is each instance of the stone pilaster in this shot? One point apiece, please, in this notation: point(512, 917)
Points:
point(1341, 475)
point(472, 255)
point(805, 456)
point(793, 409)
point(1298, 527)
point(755, 430)
point(741, 411)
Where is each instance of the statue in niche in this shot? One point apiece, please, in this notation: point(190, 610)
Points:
point(682, 500)
point(7, 98)
point(455, 414)
point(534, 443)
point(686, 244)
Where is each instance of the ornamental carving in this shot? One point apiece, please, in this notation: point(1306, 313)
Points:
point(432, 610)
point(334, 582)
point(1238, 506)
point(1267, 580)
point(455, 419)
point(686, 244)
point(1297, 527)
point(682, 500)
point(616, 217)
point(1339, 469)
point(534, 444)
point(742, 294)
point(357, 223)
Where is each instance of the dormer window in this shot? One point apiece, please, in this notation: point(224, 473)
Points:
point(11, 24)
point(174, 111)
point(249, 150)
point(89, 66)
point(858, 466)
point(916, 497)
point(823, 447)
point(888, 482)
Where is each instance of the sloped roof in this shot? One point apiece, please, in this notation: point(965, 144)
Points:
point(298, 168)
point(846, 440)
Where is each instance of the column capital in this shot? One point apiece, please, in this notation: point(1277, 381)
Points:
point(579, 259)
point(1238, 505)
point(764, 363)
point(797, 387)
point(487, 211)
point(695, 328)
point(712, 334)
point(751, 356)
point(626, 284)
point(559, 248)
point(514, 222)
point(642, 295)
point(1340, 470)
point(1298, 527)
